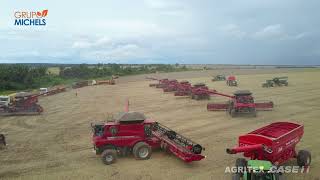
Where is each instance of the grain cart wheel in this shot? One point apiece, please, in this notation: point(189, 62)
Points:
point(109, 156)
point(142, 151)
point(241, 163)
point(304, 158)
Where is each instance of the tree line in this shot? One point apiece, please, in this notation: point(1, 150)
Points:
point(21, 77)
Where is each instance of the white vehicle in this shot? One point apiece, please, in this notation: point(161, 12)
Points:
point(5, 100)
point(43, 90)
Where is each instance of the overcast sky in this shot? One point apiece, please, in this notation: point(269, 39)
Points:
point(164, 31)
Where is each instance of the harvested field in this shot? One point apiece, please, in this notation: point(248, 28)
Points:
point(57, 144)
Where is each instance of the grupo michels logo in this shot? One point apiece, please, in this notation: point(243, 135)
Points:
point(30, 18)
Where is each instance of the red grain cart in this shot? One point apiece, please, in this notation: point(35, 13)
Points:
point(241, 102)
point(132, 132)
point(275, 142)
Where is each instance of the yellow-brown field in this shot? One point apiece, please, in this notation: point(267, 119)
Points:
point(57, 144)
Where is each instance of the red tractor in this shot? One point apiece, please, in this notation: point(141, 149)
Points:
point(241, 102)
point(132, 132)
point(231, 81)
point(23, 104)
point(275, 142)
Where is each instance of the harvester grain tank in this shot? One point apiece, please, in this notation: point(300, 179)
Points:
point(275, 143)
point(132, 132)
point(241, 102)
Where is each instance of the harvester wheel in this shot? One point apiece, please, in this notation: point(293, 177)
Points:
point(109, 156)
point(142, 151)
point(304, 158)
point(241, 163)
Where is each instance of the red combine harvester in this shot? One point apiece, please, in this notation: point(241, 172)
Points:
point(132, 132)
point(242, 102)
point(175, 86)
point(198, 91)
point(165, 83)
point(23, 104)
point(231, 81)
point(275, 142)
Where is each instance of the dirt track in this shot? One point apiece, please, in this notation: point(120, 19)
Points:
point(56, 145)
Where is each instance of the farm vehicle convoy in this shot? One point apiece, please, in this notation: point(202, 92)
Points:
point(241, 102)
point(26, 103)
